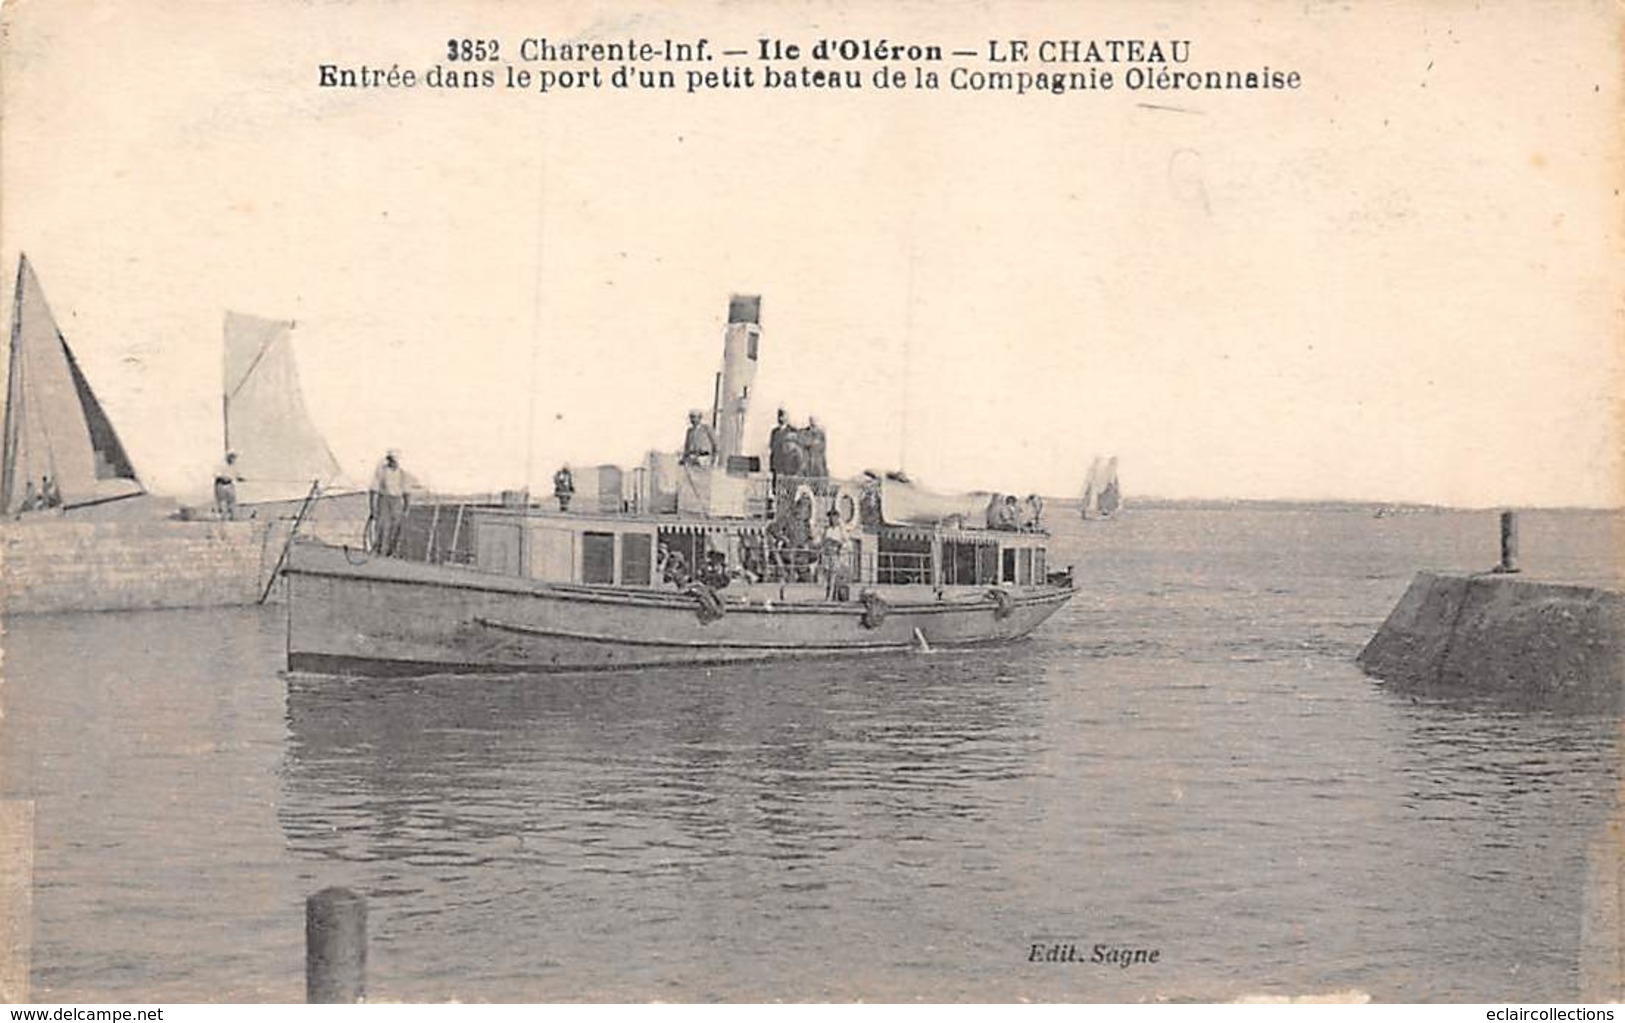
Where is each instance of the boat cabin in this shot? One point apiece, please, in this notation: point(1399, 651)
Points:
point(643, 549)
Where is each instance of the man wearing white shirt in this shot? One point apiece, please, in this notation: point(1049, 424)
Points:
point(389, 500)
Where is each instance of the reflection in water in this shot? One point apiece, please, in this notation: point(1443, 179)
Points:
point(778, 761)
point(664, 797)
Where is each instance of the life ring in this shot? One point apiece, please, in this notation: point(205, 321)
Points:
point(804, 492)
point(846, 507)
point(1005, 605)
point(875, 609)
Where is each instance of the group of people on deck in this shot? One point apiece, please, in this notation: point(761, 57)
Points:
point(795, 548)
point(790, 550)
point(797, 451)
point(793, 451)
point(712, 570)
point(1004, 512)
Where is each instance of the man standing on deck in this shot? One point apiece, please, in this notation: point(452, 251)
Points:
point(226, 476)
point(388, 500)
point(834, 558)
point(700, 444)
point(564, 487)
point(784, 459)
point(812, 441)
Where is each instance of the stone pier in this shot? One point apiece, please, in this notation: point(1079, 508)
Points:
point(1504, 635)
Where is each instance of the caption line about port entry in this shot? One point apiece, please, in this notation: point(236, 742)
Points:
point(1013, 66)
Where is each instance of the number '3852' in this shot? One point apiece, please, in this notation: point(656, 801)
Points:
point(471, 49)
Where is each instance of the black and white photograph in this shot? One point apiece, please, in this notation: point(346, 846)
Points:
point(812, 502)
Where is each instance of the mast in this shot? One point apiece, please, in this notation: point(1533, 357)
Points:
point(14, 391)
point(908, 338)
point(536, 316)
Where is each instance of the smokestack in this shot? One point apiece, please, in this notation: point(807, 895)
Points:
point(739, 347)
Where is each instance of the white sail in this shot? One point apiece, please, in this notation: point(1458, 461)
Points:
point(1111, 496)
point(1089, 507)
point(60, 448)
point(279, 450)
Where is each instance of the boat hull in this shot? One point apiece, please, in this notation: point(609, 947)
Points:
point(350, 613)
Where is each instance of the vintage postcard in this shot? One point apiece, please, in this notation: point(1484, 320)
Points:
point(811, 501)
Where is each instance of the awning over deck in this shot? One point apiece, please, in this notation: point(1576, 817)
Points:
point(964, 536)
point(904, 504)
point(719, 526)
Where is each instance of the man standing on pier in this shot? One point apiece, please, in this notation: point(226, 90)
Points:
point(225, 487)
point(389, 500)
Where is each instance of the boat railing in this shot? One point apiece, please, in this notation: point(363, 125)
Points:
point(902, 568)
point(763, 560)
point(435, 531)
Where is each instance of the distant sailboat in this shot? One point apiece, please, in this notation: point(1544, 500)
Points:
point(1101, 494)
point(280, 453)
point(1111, 496)
point(61, 450)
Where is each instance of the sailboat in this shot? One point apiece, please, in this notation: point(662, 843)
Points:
point(61, 451)
point(1102, 495)
point(280, 453)
point(74, 539)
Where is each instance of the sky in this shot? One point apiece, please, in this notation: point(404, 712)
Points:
point(1400, 282)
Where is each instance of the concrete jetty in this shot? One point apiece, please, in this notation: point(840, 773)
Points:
point(68, 563)
point(1496, 633)
point(107, 566)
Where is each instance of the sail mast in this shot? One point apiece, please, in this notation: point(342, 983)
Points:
point(536, 317)
point(14, 392)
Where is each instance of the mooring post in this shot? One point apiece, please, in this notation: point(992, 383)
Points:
point(335, 947)
point(1509, 542)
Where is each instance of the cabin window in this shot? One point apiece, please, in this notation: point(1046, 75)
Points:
point(1024, 567)
point(636, 558)
point(958, 564)
point(1007, 573)
point(987, 565)
point(903, 561)
point(598, 558)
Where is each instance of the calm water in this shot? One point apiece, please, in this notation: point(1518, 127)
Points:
point(1184, 759)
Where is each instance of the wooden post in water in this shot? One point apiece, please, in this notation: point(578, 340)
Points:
point(335, 947)
point(1509, 542)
